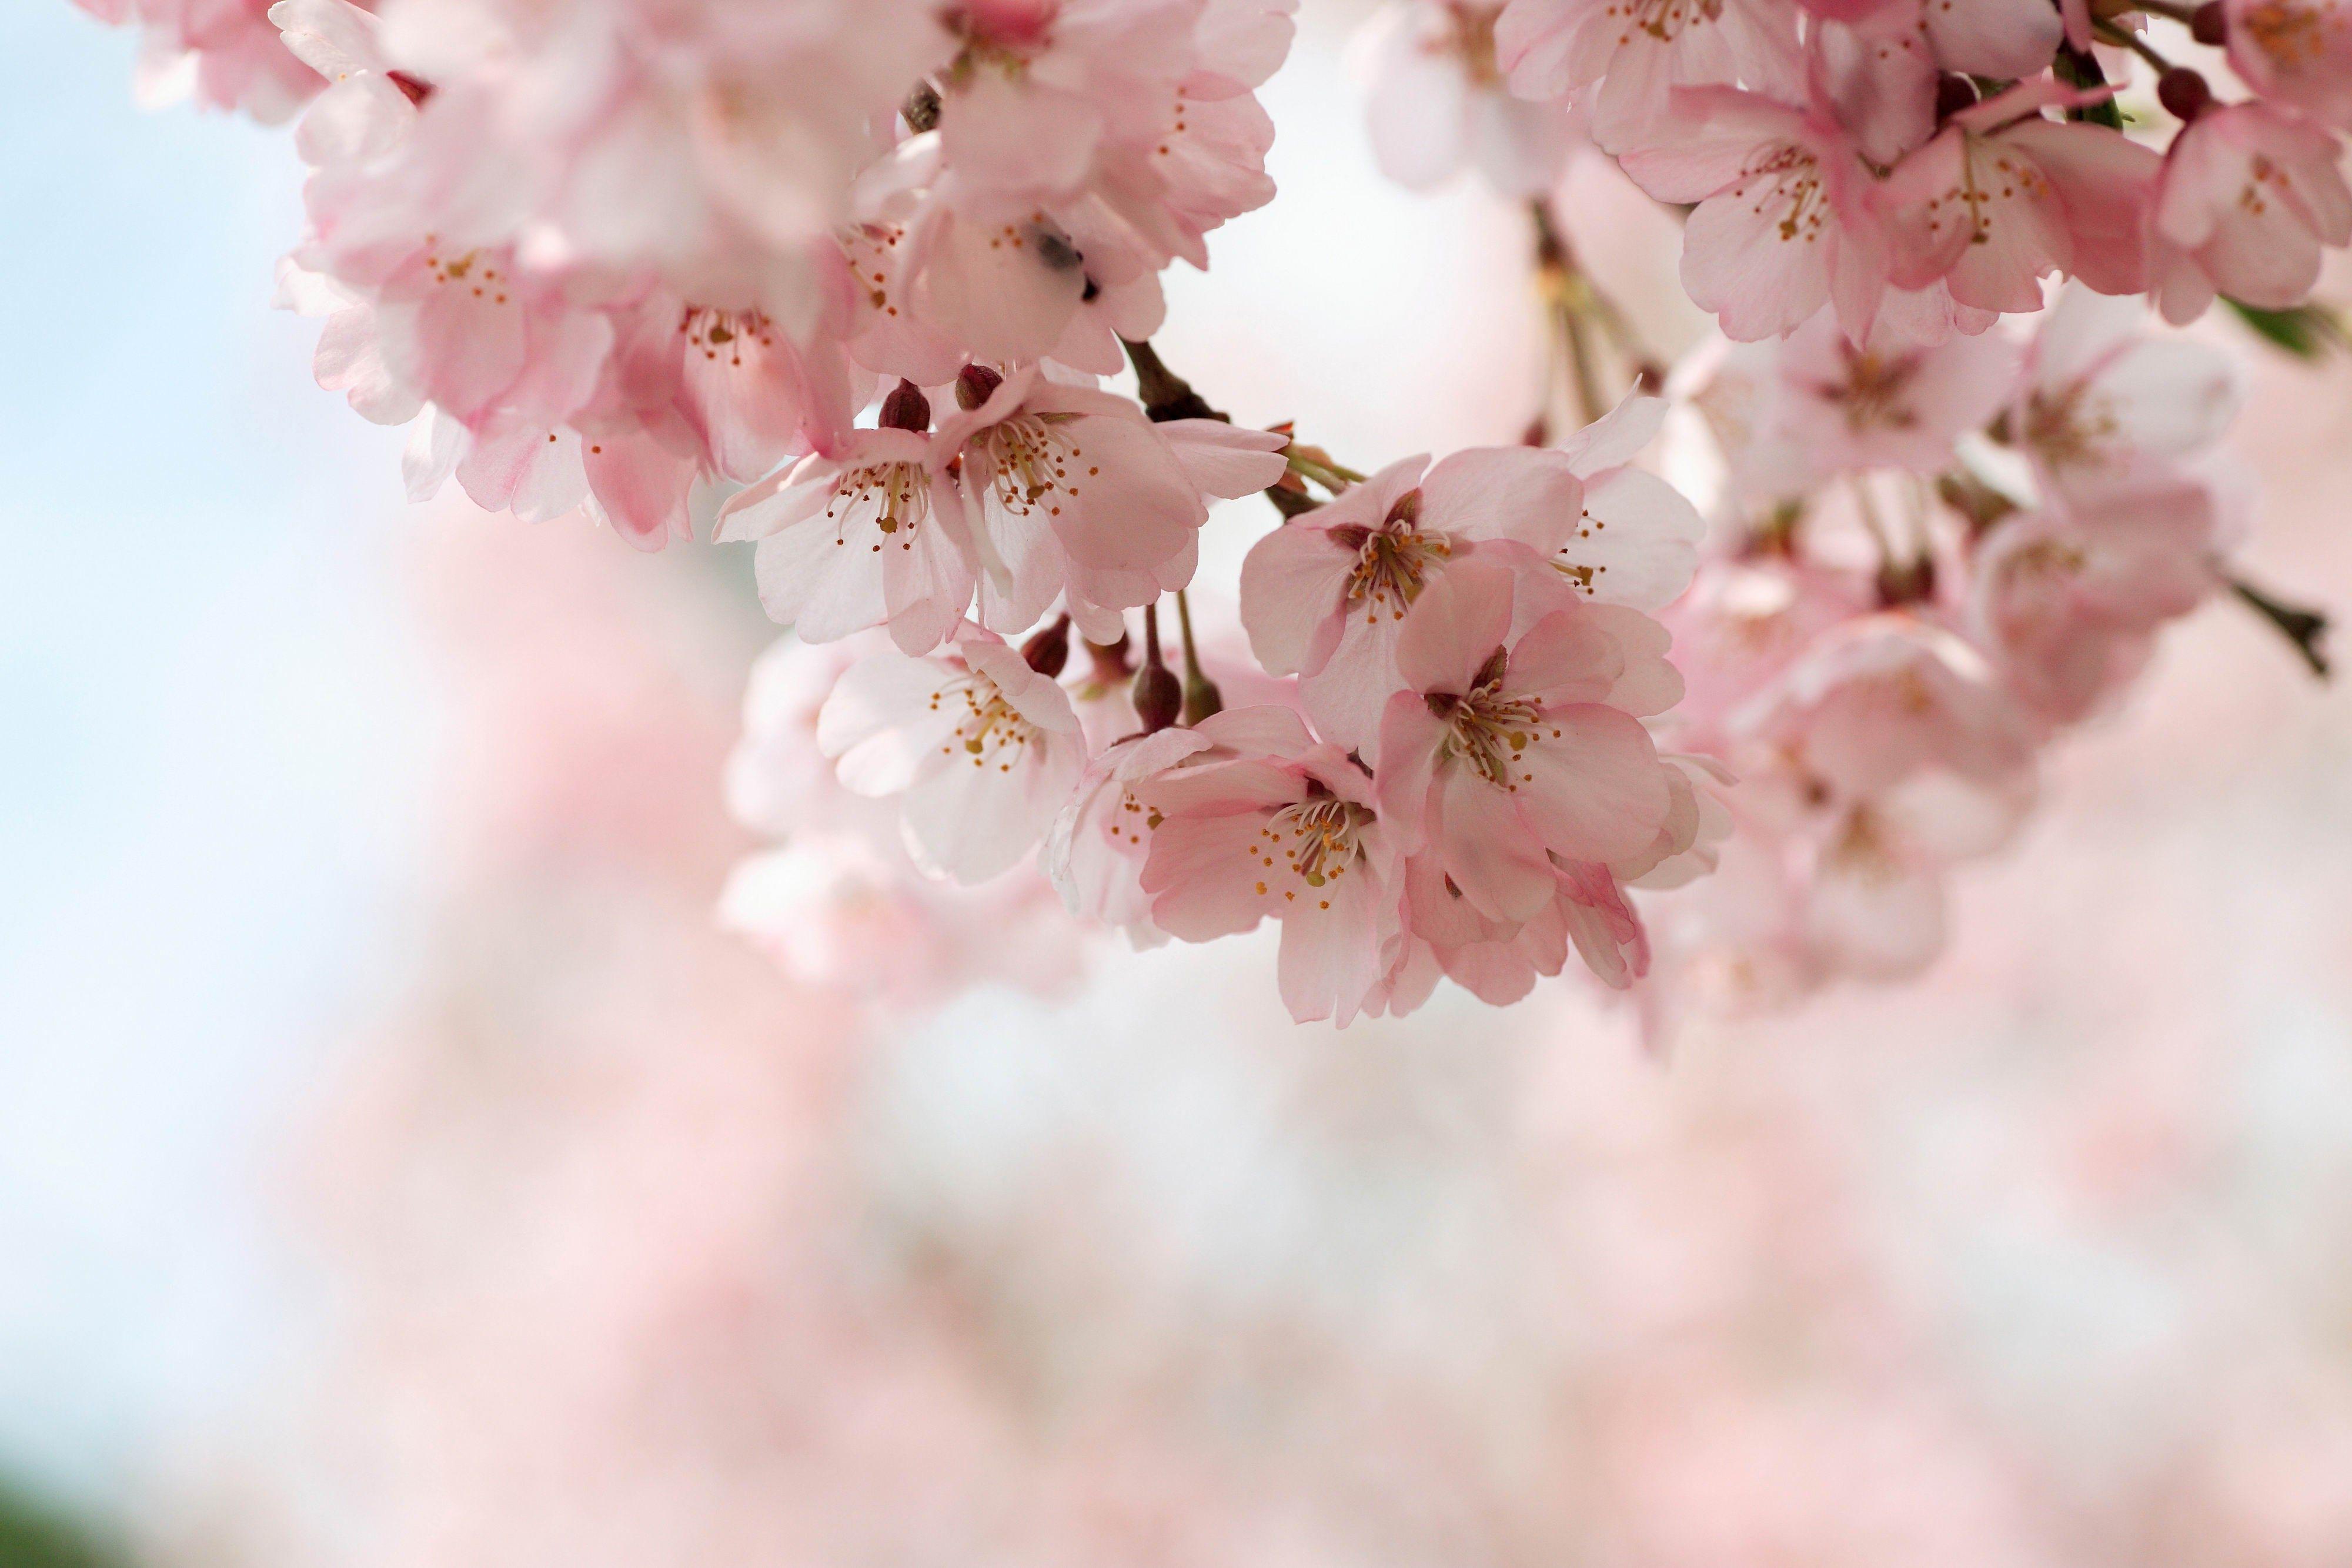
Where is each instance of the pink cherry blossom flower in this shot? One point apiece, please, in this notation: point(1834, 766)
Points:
point(2105, 406)
point(1437, 101)
point(871, 535)
point(2297, 52)
point(1096, 853)
point(1323, 596)
point(1888, 404)
point(1874, 871)
point(1284, 827)
point(2250, 196)
point(1503, 753)
point(1742, 625)
point(1635, 542)
point(749, 395)
point(712, 144)
point(225, 54)
point(980, 749)
point(1640, 52)
point(1080, 148)
point(2002, 197)
point(1785, 221)
point(1072, 491)
point(1886, 698)
point(2068, 599)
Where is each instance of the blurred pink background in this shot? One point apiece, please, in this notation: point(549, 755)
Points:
point(588, 1237)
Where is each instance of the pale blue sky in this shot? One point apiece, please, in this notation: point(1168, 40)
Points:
point(212, 739)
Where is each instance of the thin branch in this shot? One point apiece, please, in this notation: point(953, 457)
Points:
point(2306, 628)
point(1201, 696)
point(2130, 41)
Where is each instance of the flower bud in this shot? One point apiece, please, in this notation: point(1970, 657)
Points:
point(975, 384)
point(1049, 649)
point(1159, 698)
point(907, 408)
point(1201, 698)
point(2209, 24)
point(2183, 93)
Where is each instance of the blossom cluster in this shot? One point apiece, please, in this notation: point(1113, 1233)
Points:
point(846, 280)
point(1916, 166)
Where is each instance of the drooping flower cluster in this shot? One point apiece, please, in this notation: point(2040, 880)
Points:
point(1903, 610)
point(842, 279)
point(624, 250)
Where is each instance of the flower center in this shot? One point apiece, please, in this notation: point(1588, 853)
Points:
point(1872, 395)
point(1033, 458)
point(1487, 731)
point(1787, 177)
point(2292, 34)
point(990, 729)
point(1318, 841)
point(894, 497)
point(1665, 20)
point(2069, 429)
point(1392, 566)
point(718, 332)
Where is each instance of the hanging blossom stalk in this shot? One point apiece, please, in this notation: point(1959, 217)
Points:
point(845, 279)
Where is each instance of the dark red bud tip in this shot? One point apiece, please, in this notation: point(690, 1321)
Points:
point(415, 90)
point(1954, 92)
point(2183, 93)
point(907, 408)
point(2209, 24)
point(974, 384)
point(1159, 698)
point(1049, 649)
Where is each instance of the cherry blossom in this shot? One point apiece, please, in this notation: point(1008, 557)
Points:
point(1324, 596)
point(1287, 828)
point(2103, 405)
point(1502, 753)
point(2003, 197)
point(655, 260)
point(1072, 491)
point(869, 535)
point(2068, 599)
point(1437, 101)
point(1786, 219)
point(1888, 404)
point(2298, 52)
point(2250, 195)
point(980, 749)
point(1639, 53)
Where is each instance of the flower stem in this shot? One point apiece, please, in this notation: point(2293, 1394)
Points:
point(2304, 628)
point(1201, 696)
point(2108, 32)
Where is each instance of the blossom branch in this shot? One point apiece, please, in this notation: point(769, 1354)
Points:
point(2305, 628)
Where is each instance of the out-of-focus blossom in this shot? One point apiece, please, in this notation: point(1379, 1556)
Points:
point(1638, 56)
point(2250, 195)
point(1437, 101)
